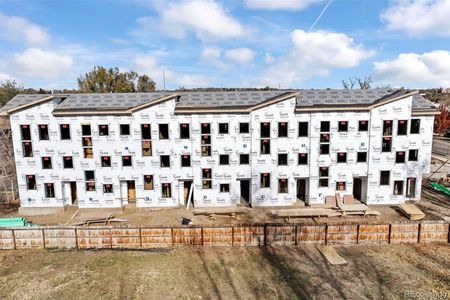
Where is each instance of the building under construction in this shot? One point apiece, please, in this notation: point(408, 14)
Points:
point(224, 148)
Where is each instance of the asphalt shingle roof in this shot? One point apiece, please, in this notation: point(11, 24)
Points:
point(420, 103)
point(226, 98)
point(108, 101)
point(218, 99)
point(350, 97)
point(22, 99)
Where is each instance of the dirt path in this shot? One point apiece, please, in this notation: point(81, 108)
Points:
point(388, 272)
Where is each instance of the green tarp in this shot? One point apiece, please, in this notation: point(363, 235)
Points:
point(440, 188)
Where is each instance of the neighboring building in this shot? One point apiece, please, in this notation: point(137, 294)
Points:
point(265, 148)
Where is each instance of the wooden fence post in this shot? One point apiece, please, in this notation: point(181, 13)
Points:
point(140, 237)
point(171, 234)
point(110, 238)
point(389, 234)
point(326, 234)
point(419, 229)
point(265, 234)
point(448, 240)
point(357, 234)
point(43, 238)
point(201, 232)
point(14, 238)
point(76, 238)
point(232, 236)
point(295, 235)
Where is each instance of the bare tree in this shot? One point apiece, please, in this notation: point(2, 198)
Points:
point(8, 178)
point(363, 83)
point(350, 83)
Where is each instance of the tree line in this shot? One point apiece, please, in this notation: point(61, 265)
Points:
point(98, 80)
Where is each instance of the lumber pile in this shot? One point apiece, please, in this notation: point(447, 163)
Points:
point(98, 220)
point(213, 212)
point(305, 213)
point(221, 210)
point(412, 212)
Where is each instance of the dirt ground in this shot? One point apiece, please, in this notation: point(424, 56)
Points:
point(376, 272)
point(435, 205)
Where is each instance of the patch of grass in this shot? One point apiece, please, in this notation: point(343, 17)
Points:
point(225, 273)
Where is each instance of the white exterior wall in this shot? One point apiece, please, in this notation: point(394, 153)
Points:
point(232, 143)
point(378, 161)
point(350, 142)
point(268, 163)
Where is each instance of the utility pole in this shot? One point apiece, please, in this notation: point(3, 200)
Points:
point(164, 80)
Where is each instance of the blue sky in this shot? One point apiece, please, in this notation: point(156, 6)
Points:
point(237, 43)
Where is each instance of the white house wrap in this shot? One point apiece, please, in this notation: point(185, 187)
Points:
point(221, 148)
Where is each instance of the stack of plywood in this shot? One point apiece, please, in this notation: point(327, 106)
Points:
point(412, 212)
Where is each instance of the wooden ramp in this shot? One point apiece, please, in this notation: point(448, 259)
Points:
point(331, 255)
point(412, 212)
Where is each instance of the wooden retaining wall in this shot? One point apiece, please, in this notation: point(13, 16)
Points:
point(223, 235)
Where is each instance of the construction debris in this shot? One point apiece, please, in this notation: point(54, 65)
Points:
point(185, 221)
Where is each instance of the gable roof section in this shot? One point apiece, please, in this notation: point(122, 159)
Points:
point(229, 101)
point(330, 100)
point(423, 106)
point(344, 99)
point(24, 101)
point(108, 103)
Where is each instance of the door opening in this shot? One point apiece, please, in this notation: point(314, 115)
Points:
point(411, 188)
point(131, 191)
point(302, 189)
point(69, 191)
point(357, 188)
point(245, 191)
point(188, 195)
point(73, 192)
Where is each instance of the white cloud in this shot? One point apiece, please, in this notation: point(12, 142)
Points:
point(280, 4)
point(4, 77)
point(314, 54)
point(18, 29)
point(268, 58)
point(241, 56)
point(205, 18)
point(209, 54)
point(411, 69)
point(120, 41)
point(213, 57)
point(147, 64)
point(418, 17)
point(41, 64)
point(226, 59)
